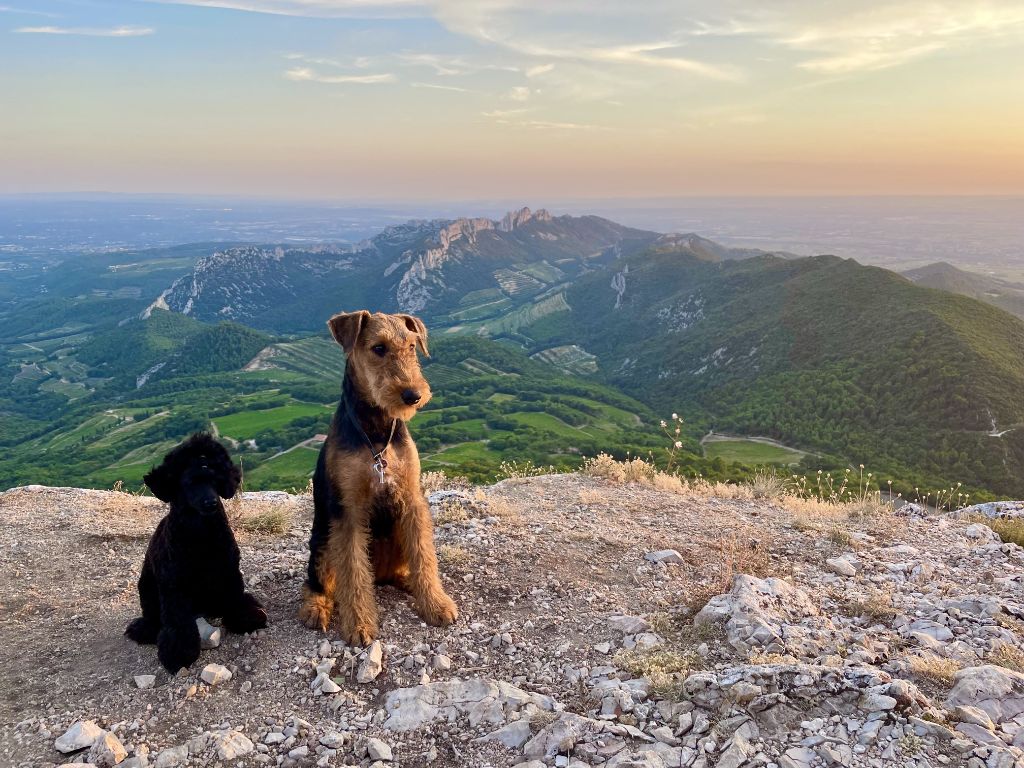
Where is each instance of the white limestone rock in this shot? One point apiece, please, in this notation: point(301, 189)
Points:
point(79, 736)
point(215, 674)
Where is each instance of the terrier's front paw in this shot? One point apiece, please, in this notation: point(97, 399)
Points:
point(315, 611)
point(362, 634)
point(437, 609)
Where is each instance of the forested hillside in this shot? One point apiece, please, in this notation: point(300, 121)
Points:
point(852, 362)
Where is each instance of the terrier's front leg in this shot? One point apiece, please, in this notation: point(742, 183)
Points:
point(416, 535)
point(349, 549)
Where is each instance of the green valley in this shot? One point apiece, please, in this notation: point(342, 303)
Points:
point(553, 338)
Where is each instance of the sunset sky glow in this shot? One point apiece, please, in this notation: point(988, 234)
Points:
point(395, 99)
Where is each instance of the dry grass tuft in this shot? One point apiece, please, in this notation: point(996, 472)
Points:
point(1010, 530)
point(666, 670)
point(272, 521)
point(644, 472)
point(877, 607)
point(1007, 656)
point(935, 669)
point(1010, 622)
point(714, 490)
point(911, 744)
point(766, 485)
point(667, 483)
point(760, 657)
point(638, 471)
point(841, 538)
point(119, 487)
point(604, 467)
point(493, 505)
point(515, 470)
point(589, 496)
point(439, 481)
point(448, 554)
point(450, 511)
point(541, 719)
point(501, 508)
point(743, 550)
point(868, 507)
point(811, 509)
point(746, 550)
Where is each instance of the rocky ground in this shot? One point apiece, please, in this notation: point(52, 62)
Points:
point(601, 624)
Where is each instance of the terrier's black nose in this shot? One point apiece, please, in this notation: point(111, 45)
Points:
point(411, 396)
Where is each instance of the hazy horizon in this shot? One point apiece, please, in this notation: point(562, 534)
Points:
point(981, 233)
point(450, 99)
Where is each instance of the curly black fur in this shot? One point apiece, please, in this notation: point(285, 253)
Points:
point(191, 566)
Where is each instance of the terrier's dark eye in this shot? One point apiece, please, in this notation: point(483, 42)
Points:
point(379, 349)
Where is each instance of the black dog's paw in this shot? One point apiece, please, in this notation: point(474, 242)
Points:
point(248, 616)
point(142, 631)
point(178, 647)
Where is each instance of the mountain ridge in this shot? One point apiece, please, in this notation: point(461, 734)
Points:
point(408, 267)
point(999, 292)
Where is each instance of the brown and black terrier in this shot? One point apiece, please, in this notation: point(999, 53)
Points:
point(371, 521)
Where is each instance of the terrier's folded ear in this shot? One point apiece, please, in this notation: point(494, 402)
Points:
point(416, 325)
point(346, 327)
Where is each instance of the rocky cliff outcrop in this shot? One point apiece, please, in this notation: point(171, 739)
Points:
point(414, 266)
point(515, 219)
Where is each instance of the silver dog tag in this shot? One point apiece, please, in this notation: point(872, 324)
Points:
point(379, 466)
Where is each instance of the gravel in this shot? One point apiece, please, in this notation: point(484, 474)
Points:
point(890, 645)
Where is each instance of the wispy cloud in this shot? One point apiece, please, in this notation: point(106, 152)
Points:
point(27, 12)
point(442, 65)
point(648, 54)
point(306, 74)
point(437, 87)
point(514, 118)
point(661, 42)
point(850, 37)
point(125, 31)
point(518, 93)
point(315, 8)
point(502, 114)
point(561, 126)
point(449, 66)
point(540, 69)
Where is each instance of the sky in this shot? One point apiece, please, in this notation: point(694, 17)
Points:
point(535, 99)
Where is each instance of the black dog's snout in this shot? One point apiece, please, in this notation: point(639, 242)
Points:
point(210, 505)
point(411, 396)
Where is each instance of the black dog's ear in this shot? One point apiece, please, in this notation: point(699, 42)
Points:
point(345, 328)
point(229, 477)
point(228, 474)
point(162, 482)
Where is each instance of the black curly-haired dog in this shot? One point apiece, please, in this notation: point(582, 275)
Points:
point(191, 566)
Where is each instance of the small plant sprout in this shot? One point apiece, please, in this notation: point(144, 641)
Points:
point(672, 431)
